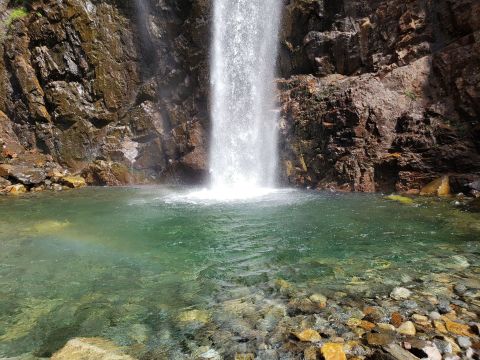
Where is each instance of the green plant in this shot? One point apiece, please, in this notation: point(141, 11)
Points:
point(15, 15)
point(411, 95)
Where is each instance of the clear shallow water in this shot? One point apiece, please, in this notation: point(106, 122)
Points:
point(126, 263)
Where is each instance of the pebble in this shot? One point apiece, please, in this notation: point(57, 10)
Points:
point(400, 293)
point(444, 306)
point(308, 335)
point(434, 315)
point(443, 346)
point(460, 289)
point(407, 328)
point(464, 342)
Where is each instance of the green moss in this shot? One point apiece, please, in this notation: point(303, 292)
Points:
point(411, 95)
point(15, 15)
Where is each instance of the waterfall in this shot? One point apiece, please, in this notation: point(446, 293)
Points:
point(243, 150)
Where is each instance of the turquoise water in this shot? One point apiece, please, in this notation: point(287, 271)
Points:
point(126, 263)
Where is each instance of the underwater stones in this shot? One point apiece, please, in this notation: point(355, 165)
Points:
point(421, 320)
point(400, 293)
point(73, 181)
point(284, 287)
point(333, 351)
point(396, 319)
point(90, 349)
point(440, 187)
point(319, 300)
point(308, 335)
point(407, 328)
point(206, 353)
point(457, 328)
point(247, 356)
point(194, 316)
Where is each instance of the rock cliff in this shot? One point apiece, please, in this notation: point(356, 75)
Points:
point(376, 95)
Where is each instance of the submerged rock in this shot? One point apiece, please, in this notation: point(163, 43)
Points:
point(333, 351)
point(400, 199)
point(194, 316)
point(400, 293)
point(407, 328)
point(90, 349)
point(308, 335)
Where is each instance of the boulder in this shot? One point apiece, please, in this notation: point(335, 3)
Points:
point(440, 187)
point(90, 349)
point(24, 174)
point(73, 182)
point(16, 189)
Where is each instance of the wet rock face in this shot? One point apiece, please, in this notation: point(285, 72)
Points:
point(92, 82)
point(389, 98)
point(376, 95)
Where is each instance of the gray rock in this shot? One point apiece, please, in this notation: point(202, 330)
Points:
point(460, 289)
point(444, 306)
point(464, 342)
point(434, 315)
point(443, 346)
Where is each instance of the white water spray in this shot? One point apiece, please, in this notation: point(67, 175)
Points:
point(243, 150)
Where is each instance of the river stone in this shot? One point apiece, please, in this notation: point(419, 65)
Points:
point(310, 353)
point(90, 349)
point(206, 353)
point(308, 335)
point(333, 351)
point(380, 339)
point(319, 299)
point(400, 293)
point(464, 342)
point(407, 328)
point(460, 289)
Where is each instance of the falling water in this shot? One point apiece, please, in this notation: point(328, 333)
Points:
point(243, 149)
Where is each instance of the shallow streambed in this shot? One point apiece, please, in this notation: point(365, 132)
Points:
point(160, 273)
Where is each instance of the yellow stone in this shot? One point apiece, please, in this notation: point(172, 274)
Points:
point(74, 181)
point(440, 326)
point(407, 328)
point(333, 351)
point(440, 187)
point(17, 189)
point(90, 349)
point(189, 316)
point(457, 328)
point(308, 335)
point(401, 199)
